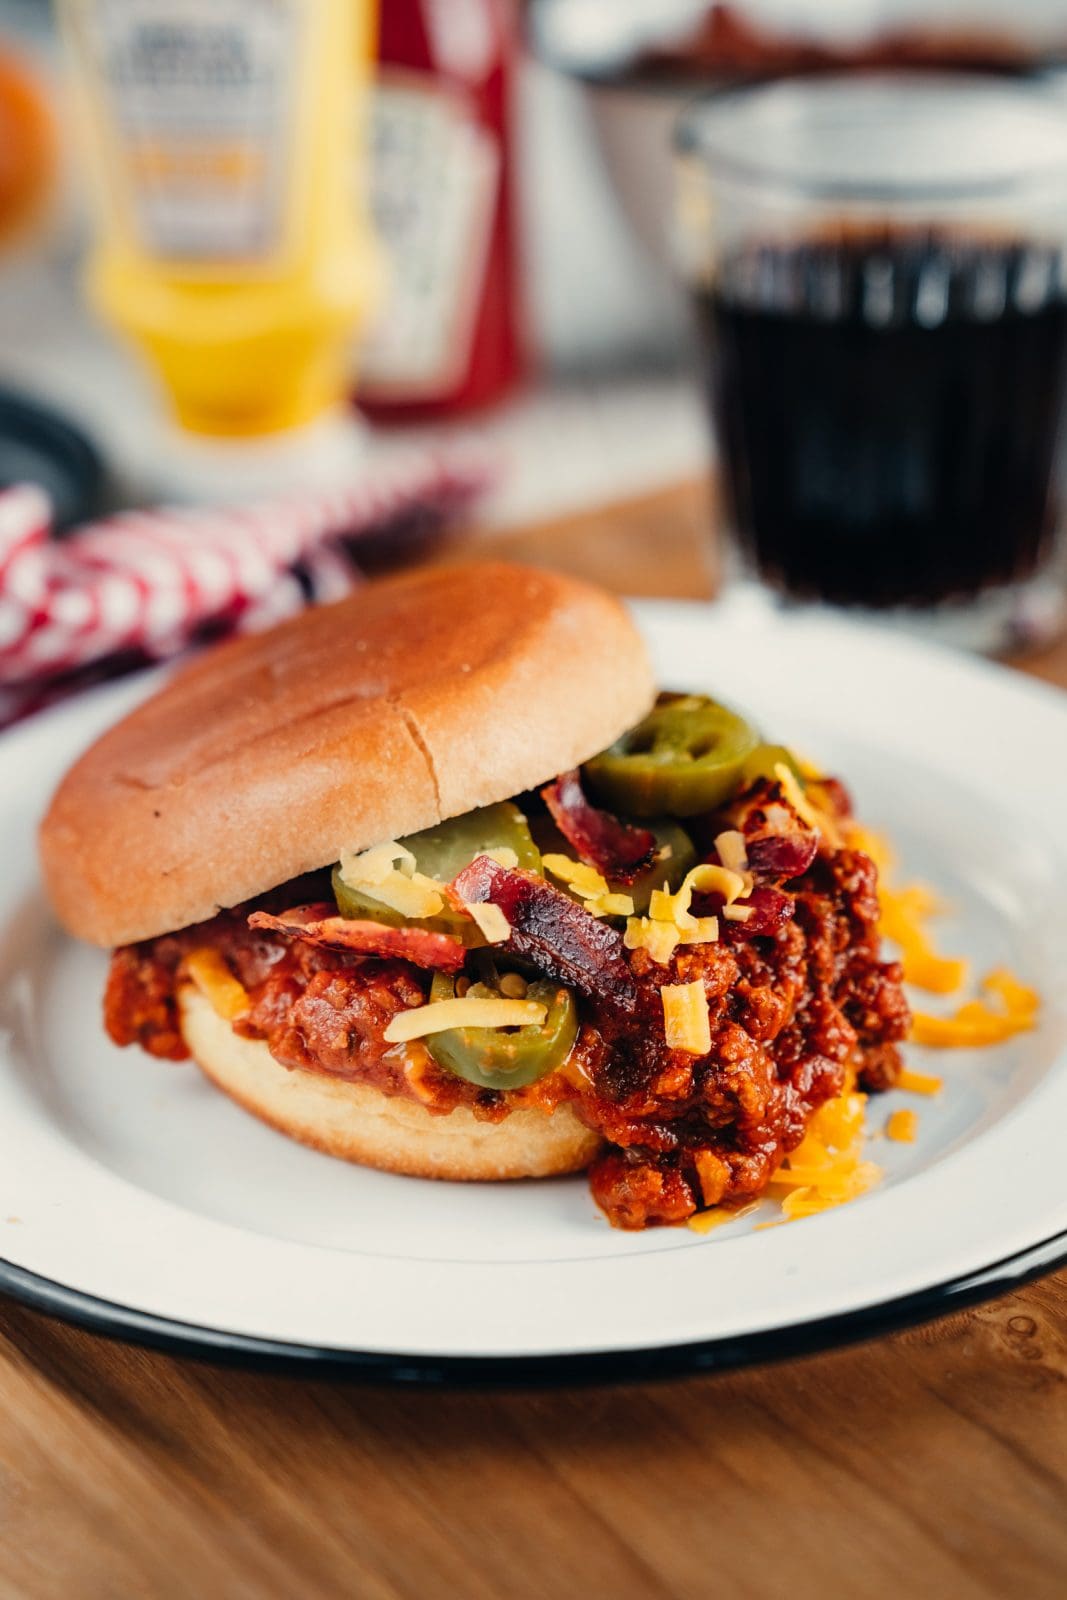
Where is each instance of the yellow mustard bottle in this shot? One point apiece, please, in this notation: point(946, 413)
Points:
point(228, 246)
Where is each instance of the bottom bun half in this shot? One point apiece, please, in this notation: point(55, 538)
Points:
point(359, 1123)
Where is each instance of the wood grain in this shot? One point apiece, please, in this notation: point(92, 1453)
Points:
point(930, 1463)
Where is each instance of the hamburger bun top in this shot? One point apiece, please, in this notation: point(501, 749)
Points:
point(414, 700)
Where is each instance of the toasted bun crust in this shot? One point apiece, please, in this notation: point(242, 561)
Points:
point(414, 700)
point(359, 1123)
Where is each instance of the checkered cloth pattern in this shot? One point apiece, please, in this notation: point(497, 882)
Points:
point(142, 585)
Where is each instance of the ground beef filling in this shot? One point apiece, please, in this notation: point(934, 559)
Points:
point(789, 1014)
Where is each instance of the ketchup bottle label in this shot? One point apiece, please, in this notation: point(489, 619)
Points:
point(435, 174)
point(201, 99)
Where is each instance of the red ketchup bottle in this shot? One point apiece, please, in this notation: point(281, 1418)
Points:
point(447, 336)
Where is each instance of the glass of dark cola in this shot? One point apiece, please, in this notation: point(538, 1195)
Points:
point(879, 271)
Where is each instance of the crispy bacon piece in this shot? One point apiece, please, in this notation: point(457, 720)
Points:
point(319, 924)
point(559, 936)
point(782, 855)
point(777, 845)
point(833, 796)
point(613, 847)
point(770, 908)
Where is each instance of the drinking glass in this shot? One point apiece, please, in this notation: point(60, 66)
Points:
point(878, 266)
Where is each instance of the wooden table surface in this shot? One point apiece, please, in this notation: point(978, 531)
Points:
point(931, 1463)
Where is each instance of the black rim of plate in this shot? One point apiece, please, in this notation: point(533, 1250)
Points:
point(217, 1346)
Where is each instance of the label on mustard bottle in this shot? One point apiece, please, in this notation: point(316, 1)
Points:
point(201, 103)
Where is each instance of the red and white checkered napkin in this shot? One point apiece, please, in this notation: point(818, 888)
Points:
point(143, 584)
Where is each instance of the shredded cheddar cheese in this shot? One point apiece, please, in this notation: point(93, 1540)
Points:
point(819, 821)
point(660, 939)
point(591, 885)
point(376, 864)
point(386, 873)
point(226, 997)
point(708, 879)
point(490, 919)
point(708, 1221)
point(714, 1176)
point(977, 1022)
point(828, 1168)
point(670, 922)
point(1016, 997)
point(902, 1127)
point(577, 875)
point(685, 1017)
point(470, 1012)
point(808, 770)
point(733, 852)
point(919, 1082)
point(872, 844)
point(417, 1060)
point(1011, 1007)
point(903, 912)
point(503, 856)
point(611, 905)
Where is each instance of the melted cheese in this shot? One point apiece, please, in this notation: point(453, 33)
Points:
point(685, 1017)
point(714, 1176)
point(470, 1012)
point(226, 997)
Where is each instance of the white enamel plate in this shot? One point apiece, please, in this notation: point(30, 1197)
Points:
point(137, 1200)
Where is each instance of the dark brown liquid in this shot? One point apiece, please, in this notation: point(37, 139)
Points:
point(888, 410)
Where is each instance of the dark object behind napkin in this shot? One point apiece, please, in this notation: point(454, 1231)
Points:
point(41, 446)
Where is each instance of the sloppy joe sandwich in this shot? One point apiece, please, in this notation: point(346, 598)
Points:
point(433, 880)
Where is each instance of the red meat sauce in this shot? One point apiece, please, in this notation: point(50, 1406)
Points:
point(791, 1009)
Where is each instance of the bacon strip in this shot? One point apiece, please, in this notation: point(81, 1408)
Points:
point(777, 846)
point(771, 910)
point(782, 855)
point(613, 847)
point(551, 930)
point(317, 924)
